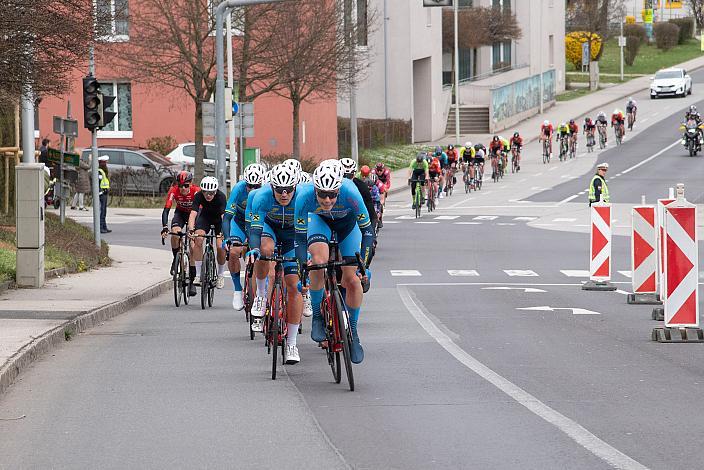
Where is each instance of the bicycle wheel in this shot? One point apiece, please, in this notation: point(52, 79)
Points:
point(274, 342)
point(185, 276)
point(332, 355)
point(178, 291)
point(345, 336)
point(213, 280)
point(204, 278)
point(248, 297)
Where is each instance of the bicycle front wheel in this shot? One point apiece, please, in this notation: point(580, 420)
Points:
point(345, 336)
point(275, 330)
point(185, 276)
point(204, 279)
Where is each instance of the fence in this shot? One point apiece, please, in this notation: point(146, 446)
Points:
point(515, 101)
point(372, 133)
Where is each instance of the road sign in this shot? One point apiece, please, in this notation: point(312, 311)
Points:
point(66, 127)
point(575, 311)
point(54, 156)
point(644, 239)
point(208, 112)
point(681, 265)
point(235, 107)
point(622, 41)
point(229, 111)
point(600, 242)
point(245, 125)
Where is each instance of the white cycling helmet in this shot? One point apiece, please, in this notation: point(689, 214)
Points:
point(348, 165)
point(546, 123)
point(267, 177)
point(467, 144)
point(284, 175)
point(254, 174)
point(209, 183)
point(601, 114)
point(328, 176)
point(292, 162)
point(304, 177)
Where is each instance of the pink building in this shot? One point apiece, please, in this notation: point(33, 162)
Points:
point(146, 111)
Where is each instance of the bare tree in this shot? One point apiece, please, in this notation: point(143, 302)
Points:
point(697, 7)
point(487, 25)
point(314, 59)
point(593, 17)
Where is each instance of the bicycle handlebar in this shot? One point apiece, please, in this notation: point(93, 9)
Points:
point(176, 234)
point(335, 264)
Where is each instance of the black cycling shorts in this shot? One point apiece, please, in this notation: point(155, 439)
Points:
point(203, 223)
point(180, 219)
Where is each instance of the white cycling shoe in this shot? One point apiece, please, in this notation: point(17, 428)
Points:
point(221, 281)
point(237, 302)
point(258, 307)
point(307, 305)
point(291, 355)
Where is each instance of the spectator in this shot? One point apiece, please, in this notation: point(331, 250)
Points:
point(44, 152)
point(82, 185)
point(104, 190)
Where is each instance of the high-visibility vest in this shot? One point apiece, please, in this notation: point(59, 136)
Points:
point(604, 190)
point(104, 181)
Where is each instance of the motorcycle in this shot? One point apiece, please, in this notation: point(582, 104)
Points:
point(692, 136)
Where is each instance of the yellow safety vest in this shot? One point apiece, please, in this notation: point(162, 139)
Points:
point(604, 190)
point(104, 181)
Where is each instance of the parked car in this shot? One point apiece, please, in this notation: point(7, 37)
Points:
point(672, 82)
point(186, 153)
point(138, 171)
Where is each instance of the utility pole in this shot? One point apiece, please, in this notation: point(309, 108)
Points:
point(231, 123)
point(28, 126)
point(457, 75)
point(352, 44)
point(542, 11)
point(621, 44)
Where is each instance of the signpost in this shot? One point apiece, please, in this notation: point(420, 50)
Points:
point(245, 129)
point(66, 128)
point(208, 110)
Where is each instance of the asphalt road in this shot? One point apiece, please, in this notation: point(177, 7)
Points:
point(482, 351)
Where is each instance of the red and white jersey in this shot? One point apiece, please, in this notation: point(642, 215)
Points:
point(183, 203)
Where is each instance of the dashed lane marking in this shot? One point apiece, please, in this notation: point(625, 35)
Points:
point(526, 219)
point(575, 272)
point(505, 223)
point(427, 222)
point(520, 272)
point(486, 217)
point(625, 273)
point(405, 272)
point(405, 217)
point(564, 219)
point(467, 223)
point(462, 272)
point(447, 217)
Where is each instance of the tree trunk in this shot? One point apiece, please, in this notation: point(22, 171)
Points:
point(200, 151)
point(296, 127)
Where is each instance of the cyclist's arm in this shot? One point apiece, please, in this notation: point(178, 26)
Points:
point(367, 198)
point(365, 226)
point(304, 203)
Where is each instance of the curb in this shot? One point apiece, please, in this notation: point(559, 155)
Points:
point(49, 340)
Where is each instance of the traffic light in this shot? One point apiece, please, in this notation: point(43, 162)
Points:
point(91, 103)
point(95, 105)
point(106, 116)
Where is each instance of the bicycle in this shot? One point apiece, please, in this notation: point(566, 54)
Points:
point(418, 196)
point(515, 154)
point(602, 137)
point(564, 148)
point(449, 180)
point(573, 148)
point(631, 120)
point(432, 193)
point(334, 312)
point(181, 279)
point(466, 179)
point(619, 134)
point(590, 142)
point(274, 326)
point(247, 296)
point(478, 176)
point(546, 151)
point(209, 270)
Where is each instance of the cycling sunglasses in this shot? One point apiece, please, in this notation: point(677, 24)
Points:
point(327, 194)
point(187, 185)
point(208, 193)
point(286, 189)
point(253, 186)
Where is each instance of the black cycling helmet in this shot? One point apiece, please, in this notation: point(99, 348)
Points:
point(587, 119)
point(516, 134)
point(420, 156)
point(450, 147)
point(571, 121)
point(496, 138)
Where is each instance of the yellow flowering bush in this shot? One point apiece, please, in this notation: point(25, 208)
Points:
point(630, 19)
point(573, 46)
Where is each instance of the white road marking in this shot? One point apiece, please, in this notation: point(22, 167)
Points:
point(467, 223)
point(486, 217)
point(651, 157)
point(520, 272)
point(538, 188)
point(391, 222)
point(554, 168)
point(405, 272)
point(527, 219)
point(644, 120)
point(574, 430)
point(405, 217)
point(575, 272)
point(539, 174)
point(428, 222)
point(527, 290)
point(462, 272)
point(625, 273)
point(563, 219)
point(543, 225)
point(505, 223)
point(447, 217)
point(568, 199)
point(619, 291)
point(575, 311)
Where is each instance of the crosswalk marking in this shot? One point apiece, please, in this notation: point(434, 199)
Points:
point(405, 272)
point(526, 219)
point(391, 222)
point(520, 272)
point(563, 219)
point(405, 217)
point(427, 222)
point(575, 272)
point(505, 223)
point(625, 273)
point(462, 272)
point(447, 217)
point(467, 223)
point(486, 217)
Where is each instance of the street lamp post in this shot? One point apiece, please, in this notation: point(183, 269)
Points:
point(224, 6)
point(457, 76)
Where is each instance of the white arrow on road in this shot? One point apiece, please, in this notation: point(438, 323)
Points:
point(575, 311)
point(524, 289)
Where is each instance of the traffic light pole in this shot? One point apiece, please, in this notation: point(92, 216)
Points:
point(94, 164)
point(223, 7)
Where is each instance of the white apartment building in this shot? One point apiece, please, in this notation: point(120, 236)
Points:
point(410, 76)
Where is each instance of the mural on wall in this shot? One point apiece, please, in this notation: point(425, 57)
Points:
point(521, 96)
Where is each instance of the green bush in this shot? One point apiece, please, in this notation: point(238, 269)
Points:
point(637, 31)
point(686, 26)
point(632, 46)
point(666, 35)
point(163, 145)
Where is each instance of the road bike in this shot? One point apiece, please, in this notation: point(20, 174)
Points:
point(432, 193)
point(449, 180)
point(515, 156)
point(247, 294)
point(418, 195)
point(208, 270)
point(619, 134)
point(573, 147)
point(631, 120)
point(180, 276)
point(274, 326)
point(546, 151)
point(335, 315)
point(478, 175)
point(564, 148)
point(590, 141)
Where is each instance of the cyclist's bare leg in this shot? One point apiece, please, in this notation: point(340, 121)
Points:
point(220, 250)
point(294, 300)
point(262, 269)
point(319, 253)
point(352, 285)
point(197, 251)
point(174, 238)
point(234, 262)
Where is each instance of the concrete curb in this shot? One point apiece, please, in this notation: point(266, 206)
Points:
point(46, 342)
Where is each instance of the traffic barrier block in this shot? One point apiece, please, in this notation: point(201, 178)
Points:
point(677, 335)
point(658, 314)
point(600, 249)
point(660, 212)
point(643, 299)
point(643, 256)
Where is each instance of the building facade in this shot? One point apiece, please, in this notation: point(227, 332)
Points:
point(146, 110)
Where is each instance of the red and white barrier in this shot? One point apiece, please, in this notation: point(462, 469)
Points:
point(681, 262)
point(644, 238)
point(600, 243)
point(662, 203)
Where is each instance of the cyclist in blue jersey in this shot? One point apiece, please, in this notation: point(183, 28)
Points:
point(333, 204)
point(233, 227)
point(272, 214)
point(444, 164)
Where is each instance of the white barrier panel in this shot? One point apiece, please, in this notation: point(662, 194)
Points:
point(644, 238)
point(661, 244)
point(600, 242)
point(681, 265)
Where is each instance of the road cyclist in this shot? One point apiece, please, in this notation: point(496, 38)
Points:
point(496, 149)
point(617, 122)
point(435, 175)
point(601, 124)
point(574, 130)
point(383, 175)
point(563, 139)
point(516, 147)
point(545, 137)
point(182, 194)
point(467, 153)
point(589, 130)
point(631, 109)
point(417, 176)
point(479, 158)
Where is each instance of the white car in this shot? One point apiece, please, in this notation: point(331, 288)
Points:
point(186, 153)
point(671, 82)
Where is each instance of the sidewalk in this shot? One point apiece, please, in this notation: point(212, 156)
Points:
point(32, 322)
point(561, 111)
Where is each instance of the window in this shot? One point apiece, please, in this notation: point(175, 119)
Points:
point(465, 3)
point(121, 126)
point(113, 16)
point(135, 160)
point(501, 55)
point(189, 151)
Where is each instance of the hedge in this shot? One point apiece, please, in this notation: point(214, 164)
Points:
point(637, 31)
point(686, 26)
point(631, 51)
point(666, 35)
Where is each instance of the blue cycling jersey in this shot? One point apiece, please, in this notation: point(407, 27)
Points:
point(265, 209)
point(236, 207)
point(349, 209)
